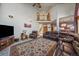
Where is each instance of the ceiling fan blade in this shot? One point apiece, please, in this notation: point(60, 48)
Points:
point(37, 5)
point(34, 4)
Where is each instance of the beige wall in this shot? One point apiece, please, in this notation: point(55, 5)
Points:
point(23, 13)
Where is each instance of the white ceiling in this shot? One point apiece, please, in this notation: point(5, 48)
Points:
point(46, 6)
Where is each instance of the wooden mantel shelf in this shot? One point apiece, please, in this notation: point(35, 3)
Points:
point(44, 22)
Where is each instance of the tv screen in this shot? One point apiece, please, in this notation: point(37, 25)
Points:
point(6, 30)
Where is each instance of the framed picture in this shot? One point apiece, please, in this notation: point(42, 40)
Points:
point(27, 25)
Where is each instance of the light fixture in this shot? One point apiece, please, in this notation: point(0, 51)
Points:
point(10, 16)
point(63, 24)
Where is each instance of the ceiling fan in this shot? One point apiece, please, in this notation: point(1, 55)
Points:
point(38, 5)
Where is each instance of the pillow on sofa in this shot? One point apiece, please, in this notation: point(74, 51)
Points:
point(67, 44)
point(68, 50)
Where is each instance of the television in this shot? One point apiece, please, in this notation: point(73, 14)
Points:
point(6, 30)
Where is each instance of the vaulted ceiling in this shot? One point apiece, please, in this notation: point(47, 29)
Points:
point(44, 6)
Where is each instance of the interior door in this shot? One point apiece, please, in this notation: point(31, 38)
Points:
point(51, 28)
point(45, 28)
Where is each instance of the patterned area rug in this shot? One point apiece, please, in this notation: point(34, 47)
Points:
point(37, 47)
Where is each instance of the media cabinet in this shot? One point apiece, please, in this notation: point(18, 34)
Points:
point(5, 42)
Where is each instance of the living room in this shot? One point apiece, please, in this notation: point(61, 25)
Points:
point(32, 20)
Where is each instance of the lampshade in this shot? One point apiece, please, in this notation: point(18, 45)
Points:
point(63, 24)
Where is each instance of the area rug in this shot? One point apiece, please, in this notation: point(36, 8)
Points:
point(37, 47)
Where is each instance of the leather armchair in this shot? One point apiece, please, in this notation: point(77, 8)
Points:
point(33, 35)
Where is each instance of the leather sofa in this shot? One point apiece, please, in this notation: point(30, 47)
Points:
point(50, 35)
point(70, 42)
